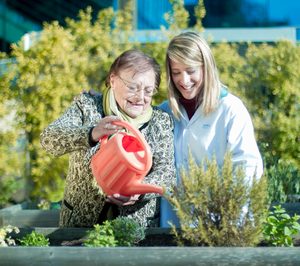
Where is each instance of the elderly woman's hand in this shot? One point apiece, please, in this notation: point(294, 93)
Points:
point(105, 127)
point(122, 200)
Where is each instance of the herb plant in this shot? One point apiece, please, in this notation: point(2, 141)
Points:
point(219, 207)
point(127, 232)
point(34, 239)
point(122, 231)
point(101, 236)
point(279, 227)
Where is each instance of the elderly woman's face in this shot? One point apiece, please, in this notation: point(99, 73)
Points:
point(133, 91)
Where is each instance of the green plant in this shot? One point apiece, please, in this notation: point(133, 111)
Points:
point(122, 231)
point(101, 236)
point(127, 232)
point(5, 238)
point(271, 76)
point(279, 227)
point(211, 206)
point(12, 163)
point(8, 186)
point(283, 182)
point(34, 239)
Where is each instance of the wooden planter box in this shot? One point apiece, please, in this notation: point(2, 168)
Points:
point(141, 255)
point(148, 256)
point(159, 248)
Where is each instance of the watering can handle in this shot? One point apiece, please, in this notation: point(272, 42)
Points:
point(141, 139)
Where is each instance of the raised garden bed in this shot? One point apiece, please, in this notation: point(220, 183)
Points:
point(159, 247)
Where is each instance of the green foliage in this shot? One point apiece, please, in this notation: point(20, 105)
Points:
point(200, 13)
point(5, 238)
point(279, 227)
point(127, 232)
point(211, 204)
point(8, 186)
point(12, 163)
point(271, 75)
point(101, 236)
point(122, 231)
point(283, 182)
point(34, 239)
point(178, 17)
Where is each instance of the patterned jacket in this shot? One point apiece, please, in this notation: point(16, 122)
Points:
point(83, 200)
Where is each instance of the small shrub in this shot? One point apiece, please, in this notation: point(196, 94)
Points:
point(5, 239)
point(122, 231)
point(283, 182)
point(127, 232)
point(101, 236)
point(34, 239)
point(219, 208)
point(279, 227)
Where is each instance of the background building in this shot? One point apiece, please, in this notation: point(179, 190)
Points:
point(18, 17)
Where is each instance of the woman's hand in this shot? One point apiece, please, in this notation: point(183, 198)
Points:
point(105, 127)
point(122, 200)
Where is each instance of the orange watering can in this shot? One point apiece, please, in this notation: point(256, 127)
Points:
point(122, 162)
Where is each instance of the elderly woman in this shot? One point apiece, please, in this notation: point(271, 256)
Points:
point(131, 82)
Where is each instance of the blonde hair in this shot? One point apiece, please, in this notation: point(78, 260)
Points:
point(191, 49)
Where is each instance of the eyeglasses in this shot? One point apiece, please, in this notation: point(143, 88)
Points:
point(134, 88)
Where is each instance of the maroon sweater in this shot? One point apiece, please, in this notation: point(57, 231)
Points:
point(189, 105)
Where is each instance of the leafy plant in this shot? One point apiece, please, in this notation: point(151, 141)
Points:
point(271, 76)
point(127, 232)
point(122, 231)
point(219, 207)
point(5, 238)
point(34, 239)
point(101, 236)
point(279, 227)
point(8, 186)
point(283, 182)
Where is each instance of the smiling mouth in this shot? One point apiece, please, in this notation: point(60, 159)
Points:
point(185, 88)
point(136, 104)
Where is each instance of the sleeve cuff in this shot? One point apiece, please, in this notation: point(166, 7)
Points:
point(92, 143)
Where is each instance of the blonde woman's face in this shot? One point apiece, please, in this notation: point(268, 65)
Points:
point(133, 91)
point(187, 79)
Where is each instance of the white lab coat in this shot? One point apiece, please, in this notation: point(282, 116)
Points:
point(228, 128)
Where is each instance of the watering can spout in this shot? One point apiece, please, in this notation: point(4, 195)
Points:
point(140, 188)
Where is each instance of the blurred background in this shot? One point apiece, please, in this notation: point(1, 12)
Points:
point(18, 17)
point(50, 50)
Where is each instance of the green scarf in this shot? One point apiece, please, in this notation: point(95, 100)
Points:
point(110, 107)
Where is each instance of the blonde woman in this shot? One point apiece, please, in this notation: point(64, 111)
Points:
point(208, 119)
